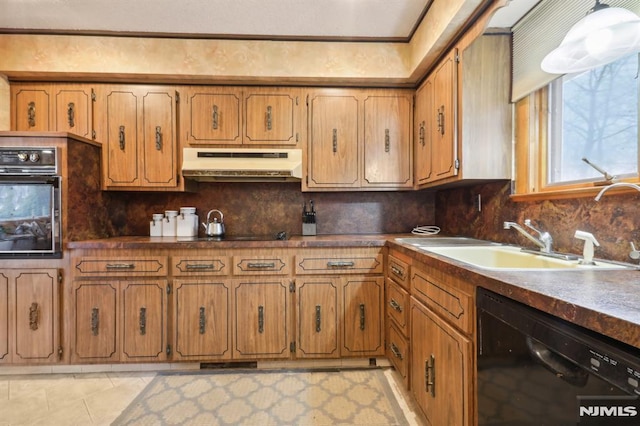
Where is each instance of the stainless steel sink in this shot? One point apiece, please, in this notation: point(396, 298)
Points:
point(513, 258)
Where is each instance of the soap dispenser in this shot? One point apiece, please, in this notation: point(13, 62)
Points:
point(587, 252)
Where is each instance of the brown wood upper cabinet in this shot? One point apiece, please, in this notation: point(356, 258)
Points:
point(137, 125)
point(359, 139)
point(242, 116)
point(462, 115)
point(52, 107)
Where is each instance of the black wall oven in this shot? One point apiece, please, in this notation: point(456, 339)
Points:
point(30, 200)
point(537, 369)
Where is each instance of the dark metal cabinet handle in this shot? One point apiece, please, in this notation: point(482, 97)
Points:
point(95, 321)
point(387, 141)
point(120, 265)
point(260, 319)
point(395, 351)
point(395, 305)
point(34, 316)
point(71, 114)
point(142, 321)
point(200, 266)
point(214, 117)
point(269, 118)
point(202, 320)
point(258, 265)
point(441, 120)
point(335, 140)
point(158, 138)
point(397, 271)
point(318, 318)
point(31, 114)
point(430, 375)
point(362, 317)
point(421, 134)
point(340, 264)
point(121, 137)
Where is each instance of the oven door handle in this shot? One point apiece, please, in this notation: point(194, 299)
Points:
point(561, 367)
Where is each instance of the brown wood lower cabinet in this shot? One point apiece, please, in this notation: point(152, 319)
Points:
point(318, 307)
point(29, 316)
point(96, 321)
point(201, 309)
point(262, 318)
point(363, 319)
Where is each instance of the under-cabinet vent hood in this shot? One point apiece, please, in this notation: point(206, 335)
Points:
point(242, 164)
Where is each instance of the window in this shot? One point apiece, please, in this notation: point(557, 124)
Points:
point(594, 115)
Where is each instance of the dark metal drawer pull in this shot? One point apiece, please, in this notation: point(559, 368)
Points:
point(318, 318)
point(121, 137)
point(200, 266)
point(430, 375)
point(260, 319)
point(397, 271)
point(71, 114)
point(335, 140)
point(120, 265)
point(158, 138)
point(362, 316)
point(31, 114)
point(396, 352)
point(95, 321)
point(261, 265)
point(269, 118)
point(214, 118)
point(395, 305)
point(202, 320)
point(340, 264)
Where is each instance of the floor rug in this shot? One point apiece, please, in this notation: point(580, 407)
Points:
point(259, 397)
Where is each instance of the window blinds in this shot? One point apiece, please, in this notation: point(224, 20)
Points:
point(540, 31)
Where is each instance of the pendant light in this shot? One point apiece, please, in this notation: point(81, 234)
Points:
point(604, 35)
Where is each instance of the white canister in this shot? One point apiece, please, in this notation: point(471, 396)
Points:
point(190, 216)
point(155, 226)
point(170, 226)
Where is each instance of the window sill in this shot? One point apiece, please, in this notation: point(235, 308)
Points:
point(567, 193)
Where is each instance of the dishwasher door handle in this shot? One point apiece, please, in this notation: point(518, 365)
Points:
point(561, 367)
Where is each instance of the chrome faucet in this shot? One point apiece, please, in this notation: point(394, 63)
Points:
point(616, 185)
point(544, 241)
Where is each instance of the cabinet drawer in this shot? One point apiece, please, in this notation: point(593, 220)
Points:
point(333, 262)
point(398, 353)
point(397, 300)
point(451, 303)
point(134, 266)
point(200, 265)
point(261, 265)
point(398, 271)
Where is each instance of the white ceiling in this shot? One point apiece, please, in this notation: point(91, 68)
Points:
point(381, 20)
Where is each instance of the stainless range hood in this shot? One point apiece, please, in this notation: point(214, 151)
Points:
point(242, 164)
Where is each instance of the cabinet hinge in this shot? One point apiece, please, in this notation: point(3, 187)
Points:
point(60, 352)
point(307, 179)
point(297, 137)
point(93, 95)
point(177, 97)
point(457, 57)
point(168, 288)
point(93, 134)
point(297, 100)
point(307, 100)
point(168, 350)
point(456, 164)
point(292, 347)
point(292, 286)
point(59, 278)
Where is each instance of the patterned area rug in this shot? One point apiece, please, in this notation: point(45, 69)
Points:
point(345, 397)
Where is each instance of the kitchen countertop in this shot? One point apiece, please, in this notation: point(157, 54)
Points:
point(605, 301)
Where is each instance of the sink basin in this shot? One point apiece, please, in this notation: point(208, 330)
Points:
point(512, 258)
point(443, 241)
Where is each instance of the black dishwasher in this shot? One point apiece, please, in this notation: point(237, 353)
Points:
point(537, 369)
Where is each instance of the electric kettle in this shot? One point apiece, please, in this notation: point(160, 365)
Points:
point(215, 228)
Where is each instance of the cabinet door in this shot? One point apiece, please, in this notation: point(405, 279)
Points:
point(96, 322)
point(424, 131)
point(31, 108)
point(262, 319)
point(144, 322)
point(202, 319)
point(4, 317)
point(441, 368)
point(120, 126)
point(317, 317)
point(36, 332)
point(73, 110)
point(333, 142)
point(363, 319)
point(271, 117)
point(445, 150)
point(387, 141)
point(211, 115)
point(159, 166)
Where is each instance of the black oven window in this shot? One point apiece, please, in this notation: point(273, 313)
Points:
point(26, 216)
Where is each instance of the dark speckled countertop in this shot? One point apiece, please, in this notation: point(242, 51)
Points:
point(607, 302)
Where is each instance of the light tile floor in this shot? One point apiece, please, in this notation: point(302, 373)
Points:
point(95, 398)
